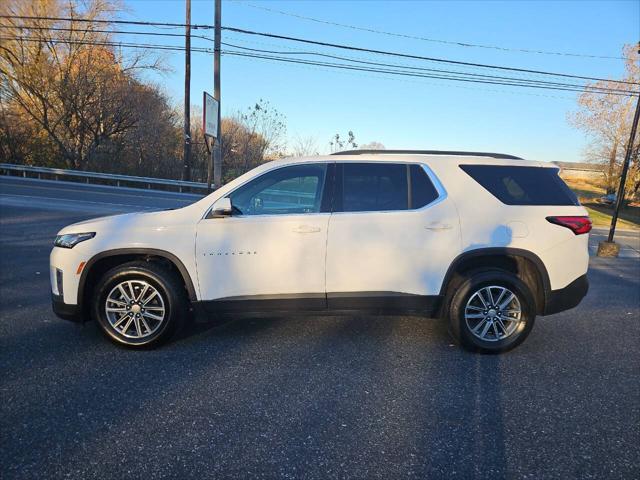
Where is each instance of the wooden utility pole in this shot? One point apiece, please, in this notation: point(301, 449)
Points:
point(625, 169)
point(186, 168)
point(216, 150)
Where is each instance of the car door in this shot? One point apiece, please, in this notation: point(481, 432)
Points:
point(392, 236)
point(270, 253)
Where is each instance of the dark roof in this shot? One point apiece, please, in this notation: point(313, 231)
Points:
point(428, 152)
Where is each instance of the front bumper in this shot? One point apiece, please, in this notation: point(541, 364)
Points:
point(567, 297)
point(64, 310)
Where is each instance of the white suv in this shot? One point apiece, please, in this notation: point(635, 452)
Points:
point(487, 240)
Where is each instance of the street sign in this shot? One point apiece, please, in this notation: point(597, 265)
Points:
point(210, 116)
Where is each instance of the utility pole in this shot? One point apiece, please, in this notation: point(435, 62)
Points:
point(216, 150)
point(625, 169)
point(186, 169)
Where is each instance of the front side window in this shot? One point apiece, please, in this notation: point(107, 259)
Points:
point(368, 187)
point(287, 190)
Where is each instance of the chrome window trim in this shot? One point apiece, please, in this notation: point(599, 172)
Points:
point(442, 192)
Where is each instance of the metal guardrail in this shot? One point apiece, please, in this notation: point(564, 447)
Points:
point(119, 180)
point(283, 197)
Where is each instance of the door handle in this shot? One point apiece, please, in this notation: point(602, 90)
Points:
point(437, 226)
point(306, 229)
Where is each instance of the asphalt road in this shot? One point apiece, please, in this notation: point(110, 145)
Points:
point(344, 397)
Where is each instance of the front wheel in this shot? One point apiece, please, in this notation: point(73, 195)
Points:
point(140, 304)
point(492, 312)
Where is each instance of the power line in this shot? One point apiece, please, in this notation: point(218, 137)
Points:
point(409, 74)
point(120, 32)
point(425, 39)
point(332, 45)
point(418, 57)
point(151, 46)
point(117, 22)
point(467, 70)
point(409, 67)
point(297, 52)
point(452, 76)
point(474, 88)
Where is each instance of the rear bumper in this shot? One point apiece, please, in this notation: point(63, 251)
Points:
point(64, 310)
point(567, 297)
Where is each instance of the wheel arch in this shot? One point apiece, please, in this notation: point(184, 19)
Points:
point(103, 261)
point(526, 265)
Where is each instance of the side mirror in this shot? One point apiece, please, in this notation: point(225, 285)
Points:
point(222, 208)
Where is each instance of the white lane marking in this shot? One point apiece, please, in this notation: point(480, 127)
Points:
point(122, 191)
point(38, 197)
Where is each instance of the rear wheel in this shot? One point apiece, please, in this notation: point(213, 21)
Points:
point(140, 304)
point(491, 312)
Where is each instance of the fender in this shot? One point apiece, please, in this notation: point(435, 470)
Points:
point(506, 251)
point(137, 251)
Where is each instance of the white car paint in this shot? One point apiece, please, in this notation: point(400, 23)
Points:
point(402, 251)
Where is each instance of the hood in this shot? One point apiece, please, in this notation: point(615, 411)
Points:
point(93, 221)
point(124, 221)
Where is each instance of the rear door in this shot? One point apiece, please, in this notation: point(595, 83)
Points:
point(392, 236)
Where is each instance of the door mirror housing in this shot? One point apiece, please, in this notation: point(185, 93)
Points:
point(221, 208)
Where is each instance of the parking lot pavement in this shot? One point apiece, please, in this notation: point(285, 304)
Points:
point(341, 397)
point(629, 241)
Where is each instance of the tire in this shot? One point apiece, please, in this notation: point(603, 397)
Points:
point(113, 301)
point(478, 327)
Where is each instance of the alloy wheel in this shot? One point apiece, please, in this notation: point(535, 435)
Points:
point(135, 309)
point(493, 313)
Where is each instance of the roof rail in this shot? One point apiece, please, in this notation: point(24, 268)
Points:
point(429, 152)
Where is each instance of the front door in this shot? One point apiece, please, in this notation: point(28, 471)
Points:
point(270, 254)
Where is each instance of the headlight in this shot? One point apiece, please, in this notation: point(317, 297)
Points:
point(70, 240)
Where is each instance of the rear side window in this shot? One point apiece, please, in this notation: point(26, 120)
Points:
point(422, 190)
point(368, 187)
point(515, 185)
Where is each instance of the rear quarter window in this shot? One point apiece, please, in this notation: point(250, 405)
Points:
point(515, 185)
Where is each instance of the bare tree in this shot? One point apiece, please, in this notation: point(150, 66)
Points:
point(304, 146)
point(338, 143)
point(373, 146)
point(607, 121)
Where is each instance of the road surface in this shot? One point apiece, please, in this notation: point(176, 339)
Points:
point(342, 397)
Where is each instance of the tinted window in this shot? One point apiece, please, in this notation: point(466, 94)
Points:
point(370, 187)
point(422, 190)
point(295, 189)
point(522, 185)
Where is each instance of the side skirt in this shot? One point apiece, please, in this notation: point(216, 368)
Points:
point(334, 303)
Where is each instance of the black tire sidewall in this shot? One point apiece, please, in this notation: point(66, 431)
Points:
point(156, 279)
point(475, 282)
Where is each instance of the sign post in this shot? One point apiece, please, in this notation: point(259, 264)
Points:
point(210, 119)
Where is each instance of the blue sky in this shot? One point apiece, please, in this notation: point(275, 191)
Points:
point(410, 113)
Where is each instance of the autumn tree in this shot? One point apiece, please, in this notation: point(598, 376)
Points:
point(69, 98)
point(606, 119)
point(65, 79)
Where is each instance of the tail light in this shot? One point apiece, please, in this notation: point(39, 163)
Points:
point(577, 225)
